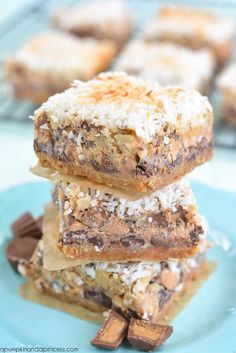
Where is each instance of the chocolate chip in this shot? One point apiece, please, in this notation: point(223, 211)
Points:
point(132, 240)
point(164, 296)
point(106, 165)
point(173, 164)
point(62, 157)
point(146, 336)
point(182, 214)
point(158, 241)
point(164, 265)
point(99, 297)
point(47, 148)
point(20, 249)
point(144, 168)
point(96, 240)
point(85, 125)
point(89, 144)
point(193, 151)
point(160, 220)
point(194, 236)
point(134, 314)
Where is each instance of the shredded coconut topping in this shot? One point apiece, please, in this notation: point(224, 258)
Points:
point(116, 100)
point(168, 198)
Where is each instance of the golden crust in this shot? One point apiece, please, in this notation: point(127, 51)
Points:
point(124, 181)
point(157, 254)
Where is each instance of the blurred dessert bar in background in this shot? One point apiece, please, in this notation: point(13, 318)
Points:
point(48, 62)
point(193, 28)
point(92, 130)
point(98, 223)
point(146, 290)
point(103, 19)
point(226, 83)
point(168, 64)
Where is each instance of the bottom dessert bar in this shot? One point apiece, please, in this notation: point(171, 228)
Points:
point(144, 290)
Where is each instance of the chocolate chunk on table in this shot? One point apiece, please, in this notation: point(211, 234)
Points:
point(27, 226)
point(20, 249)
point(147, 336)
point(40, 222)
point(112, 332)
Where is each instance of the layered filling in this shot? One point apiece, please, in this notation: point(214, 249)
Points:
point(119, 152)
point(90, 217)
point(140, 289)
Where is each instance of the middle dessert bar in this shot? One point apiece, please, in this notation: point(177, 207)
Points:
point(125, 132)
point(95, 224)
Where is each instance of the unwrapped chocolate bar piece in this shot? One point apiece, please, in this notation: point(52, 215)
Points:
point(147, 336)
point(125, 132)
point(112, 332)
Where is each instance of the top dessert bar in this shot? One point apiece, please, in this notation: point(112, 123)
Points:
point(103, 19)
point(48, 62)
point(193, 28)
point(168, 63)
point(122, 131)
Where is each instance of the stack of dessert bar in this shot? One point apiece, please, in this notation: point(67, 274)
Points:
point(123, 224)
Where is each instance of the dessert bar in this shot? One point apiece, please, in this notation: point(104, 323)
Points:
point(144, 290)
point(227, 87)
point(122, 131)
point(98, 225)
point(168, 63)
point(48, 62)
point(193, 28)
point(103, 19)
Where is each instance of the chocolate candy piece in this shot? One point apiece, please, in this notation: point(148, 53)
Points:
point(20, 249)
point(40, 223)
point(112, 332)
point(147, 336)
point(26, 226)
